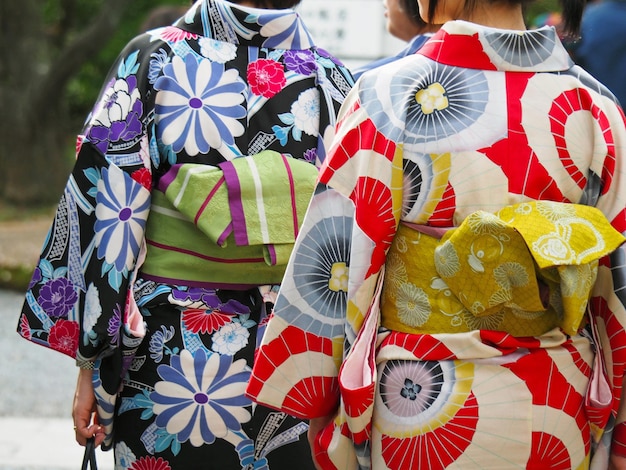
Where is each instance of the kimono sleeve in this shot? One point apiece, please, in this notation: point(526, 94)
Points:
point(331, 276)
point(76, 300)
point(608, 300)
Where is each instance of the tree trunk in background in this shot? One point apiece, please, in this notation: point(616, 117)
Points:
point(36, 134)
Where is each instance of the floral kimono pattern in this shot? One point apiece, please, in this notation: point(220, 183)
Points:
point(171, 359)
point(478, 120)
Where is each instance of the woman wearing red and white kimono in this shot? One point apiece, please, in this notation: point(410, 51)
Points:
point(462, 261)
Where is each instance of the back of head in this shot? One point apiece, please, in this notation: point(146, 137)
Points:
point(273, 4)
point(413, 12)
point(572, 10)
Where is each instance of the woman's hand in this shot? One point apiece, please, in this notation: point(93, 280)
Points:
point(617, 463)
point(84, 410)
point(315, 427)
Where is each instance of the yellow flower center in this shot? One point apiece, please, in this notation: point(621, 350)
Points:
point(432, 98)
point(338, 277)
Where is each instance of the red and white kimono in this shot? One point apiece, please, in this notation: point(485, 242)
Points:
point(478, 120)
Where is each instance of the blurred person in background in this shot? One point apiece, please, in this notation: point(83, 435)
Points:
point(193, 173)
point(601, 49)
point(403, 22)
point(456, 295)
point(163, 15)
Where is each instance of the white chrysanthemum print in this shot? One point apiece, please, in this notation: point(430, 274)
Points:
point(577, 280)
point(501, 297)
point(525, 314)
point(230, 338)
point(217, 51)
point(487, 322)
point(93, 309)
point(395, 273)
point(124, 457)
point(554, 211)
point(447, 260)
point(413, 305)
point(198, 105)
point(510, 274)
point(483, 222)
point(201, 398)
point(122, 207)
point(306, 111)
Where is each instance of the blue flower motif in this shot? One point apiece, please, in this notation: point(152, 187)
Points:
point(230, 339)
point(201, 399)
point(158, 340)
point(282, 31)
point(122, 207)
point(158, 60)
point(198, 105)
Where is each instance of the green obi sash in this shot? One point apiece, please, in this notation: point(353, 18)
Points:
point(227, 226)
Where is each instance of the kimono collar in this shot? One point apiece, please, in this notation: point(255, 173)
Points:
point(239, 25)
point(463, 44)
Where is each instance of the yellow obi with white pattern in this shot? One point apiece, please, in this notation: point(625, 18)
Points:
point(525, 270)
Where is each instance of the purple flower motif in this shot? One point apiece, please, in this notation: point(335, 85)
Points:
point(302, 61)
point(36, 278)
point(196, 294)
point(127, 361)
point(310, 155)
point(323, 53)
point(117, 117)
point(326, 55)
point(115, 322)
point(57, 297)
point(198, 297)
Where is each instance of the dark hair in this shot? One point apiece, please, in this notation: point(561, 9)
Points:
point(413, 11)
point(572, 12)
point(276, 4)
point(162, 16)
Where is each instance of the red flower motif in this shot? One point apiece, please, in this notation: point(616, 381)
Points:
point(264, 321)
point(63, 337)
point(25, 328)
point(143, 177)
point(174, 34)
point(79, 142)
point(150, 463)
point(266, 77)
point(204, 321)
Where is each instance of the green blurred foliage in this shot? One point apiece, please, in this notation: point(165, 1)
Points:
point(538, 7)
point(84, 87)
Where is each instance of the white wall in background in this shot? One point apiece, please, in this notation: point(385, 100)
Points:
point(352, 30)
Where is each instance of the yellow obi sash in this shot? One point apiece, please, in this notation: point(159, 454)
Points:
point(524, 270)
